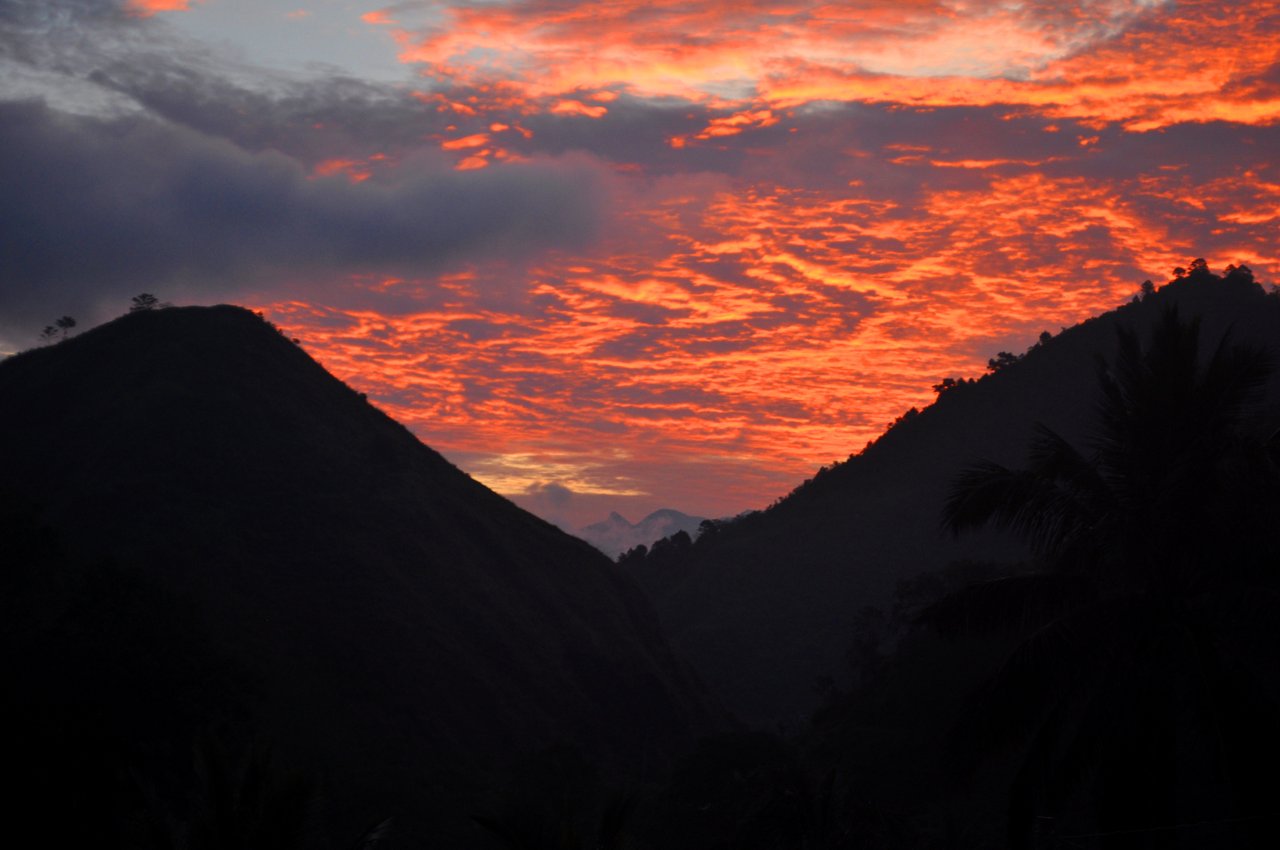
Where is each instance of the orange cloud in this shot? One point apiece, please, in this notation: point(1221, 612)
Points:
point(736, 123)
point(1110, 60)
point(147, 8)
point(772, 328)
point(474, 141)
point(799, 284)
point(357, 170)
point(577, 107)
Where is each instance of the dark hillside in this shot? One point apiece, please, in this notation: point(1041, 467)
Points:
point(404, 624)
point(765, 605)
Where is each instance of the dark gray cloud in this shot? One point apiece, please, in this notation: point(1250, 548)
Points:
point(73, 36)
point(1200, 152)
point(145, 161)
point(32, 28)
point(99, 208)
point(311, 120)
point(555, 494)
point(551, 500)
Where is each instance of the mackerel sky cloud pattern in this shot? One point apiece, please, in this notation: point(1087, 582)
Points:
point(727, 48)
point(779, 223)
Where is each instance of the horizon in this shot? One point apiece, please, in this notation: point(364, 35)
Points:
point(643, 256)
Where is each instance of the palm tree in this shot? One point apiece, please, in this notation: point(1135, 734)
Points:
point(1140, 679)
point(1174, 477)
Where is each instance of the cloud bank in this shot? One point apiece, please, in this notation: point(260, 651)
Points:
point(95, 208)
point(206, 189)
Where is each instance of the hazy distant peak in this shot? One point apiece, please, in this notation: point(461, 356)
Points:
point(616, 535)
point(668, 514)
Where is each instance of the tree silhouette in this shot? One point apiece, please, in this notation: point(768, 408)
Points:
point(1002, 360)
point(60, 328)
point(1145, 665)
point(142, 303)
point(1175, 477)
point(948, 384)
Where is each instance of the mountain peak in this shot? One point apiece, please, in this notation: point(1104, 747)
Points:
point(401, 617)
point(616, 535)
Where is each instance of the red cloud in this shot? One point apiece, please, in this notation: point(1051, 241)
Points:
point(1114, 60)
point(780, 288)
point(147, 8)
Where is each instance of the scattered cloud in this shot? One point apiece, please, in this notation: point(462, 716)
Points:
point(378, 17)
point(611, 254)
point(146, 8)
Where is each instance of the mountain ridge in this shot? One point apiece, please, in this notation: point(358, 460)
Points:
point(406, 621)
point(764, 606)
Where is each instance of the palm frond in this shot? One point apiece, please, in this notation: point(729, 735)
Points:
point(1035, 507)
point(380, 832)
point(1054, 458)
point(980, 493)
point(613, 819)
point(1233, 381)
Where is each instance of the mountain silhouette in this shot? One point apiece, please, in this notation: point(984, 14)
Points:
point(764, 606)
point(401, 626)
point(616, 534)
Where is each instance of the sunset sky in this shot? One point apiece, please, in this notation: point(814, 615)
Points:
point(631, 254)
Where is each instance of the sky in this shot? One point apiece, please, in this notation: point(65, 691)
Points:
point(624, 255)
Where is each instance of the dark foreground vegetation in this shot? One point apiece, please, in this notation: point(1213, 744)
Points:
point(241, 608)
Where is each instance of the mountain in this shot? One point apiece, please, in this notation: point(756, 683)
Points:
point(390, 620)
point(616, 534)
point(765, 606)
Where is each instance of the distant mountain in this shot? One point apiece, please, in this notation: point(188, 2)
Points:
point(765, 605)
point(616, 535)
point(392, 620)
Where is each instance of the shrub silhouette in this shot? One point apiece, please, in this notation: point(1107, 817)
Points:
point(142, 303)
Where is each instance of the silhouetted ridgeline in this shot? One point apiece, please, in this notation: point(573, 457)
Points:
point(1121, 688)
point(242, 608)
point(766, 606)
point(380, 618)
